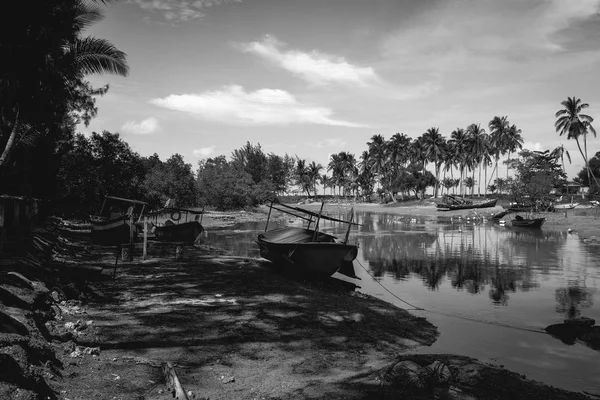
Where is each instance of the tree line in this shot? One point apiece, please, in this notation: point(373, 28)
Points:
point(44, 95)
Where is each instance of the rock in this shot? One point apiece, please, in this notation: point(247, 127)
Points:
point(468, 375)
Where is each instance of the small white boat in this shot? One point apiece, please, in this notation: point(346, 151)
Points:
point(566, 206)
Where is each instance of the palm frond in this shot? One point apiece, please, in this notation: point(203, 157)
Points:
point(98, 56)
point(87, 15)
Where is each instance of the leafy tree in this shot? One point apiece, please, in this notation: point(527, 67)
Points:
point(252, 160)
point(222, 185)
point(96, 166)
point(42, 85)
point(173, 180)
point(594, 167)
point(537, 174)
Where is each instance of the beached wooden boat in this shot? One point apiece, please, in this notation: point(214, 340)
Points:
point(179, 227)
point(527, 222)
point(452, 207)
point(567, 206)
point(117, 221)
point(307, 250)
point(498, 216)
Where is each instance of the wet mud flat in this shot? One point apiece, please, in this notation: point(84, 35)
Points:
point(233, 328)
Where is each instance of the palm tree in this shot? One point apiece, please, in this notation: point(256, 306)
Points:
point(478, 150)
point(434, 146)
point(42, 80)
point(499, 127)
point(574, 124)
point(458, 147)
point(559, 152)
point(336, 168)
point(377, 153)
point(314, 173)
point(513, 141)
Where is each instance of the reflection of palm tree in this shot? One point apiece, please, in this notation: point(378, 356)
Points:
point(572, 299)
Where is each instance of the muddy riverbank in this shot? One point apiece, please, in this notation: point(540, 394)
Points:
point(233, 327)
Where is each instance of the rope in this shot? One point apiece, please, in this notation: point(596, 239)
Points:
point(446, 314)
point(387, 290)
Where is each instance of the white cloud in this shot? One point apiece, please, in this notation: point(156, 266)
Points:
point(233, 105)
point(145, 127)
point(533, 146)
point(179, 10)
point(204, 152)
point(333, 142)
point(314, 67)
point(511, 30)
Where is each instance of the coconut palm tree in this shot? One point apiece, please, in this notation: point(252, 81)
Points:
point(513, 142)
point(434, 146)
point(337, 169)
point(478, 145)
point(574, 124)
point(499, 127)
point(42, 80)
point(378, 155)
point(314, 173)
point(458, 149)
point(558, 153)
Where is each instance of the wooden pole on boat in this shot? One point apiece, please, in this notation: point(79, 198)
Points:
point(269, 216)
point(145, 251)
point(202, 215)
point(317, 224)
point(349, 225)
point(131, 228)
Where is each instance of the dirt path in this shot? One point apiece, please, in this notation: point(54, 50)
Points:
point(237, 330)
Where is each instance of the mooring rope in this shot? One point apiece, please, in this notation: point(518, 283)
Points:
point(452, 315)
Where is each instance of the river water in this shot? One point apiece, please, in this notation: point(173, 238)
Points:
point(491, 290)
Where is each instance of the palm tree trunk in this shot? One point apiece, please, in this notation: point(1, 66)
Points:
point(485, 180)
point(10, 142)
point(479, 184)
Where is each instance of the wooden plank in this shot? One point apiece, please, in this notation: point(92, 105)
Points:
point(173, 384)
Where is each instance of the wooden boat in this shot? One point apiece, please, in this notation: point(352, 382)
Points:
point(306, 250)
point(114, 225)
point(527, 222)
point(567, 206)
point(451, 207)
point(498, 216)
point(177, 228)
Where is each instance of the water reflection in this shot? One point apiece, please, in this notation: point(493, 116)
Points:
point(510, 277)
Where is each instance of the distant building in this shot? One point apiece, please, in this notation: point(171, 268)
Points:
point(573, 188)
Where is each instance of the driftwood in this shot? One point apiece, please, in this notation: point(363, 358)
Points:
point(173, 384)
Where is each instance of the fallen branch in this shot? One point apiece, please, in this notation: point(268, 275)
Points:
point(173, 384)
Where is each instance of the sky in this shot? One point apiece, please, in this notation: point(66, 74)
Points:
point(315, 77)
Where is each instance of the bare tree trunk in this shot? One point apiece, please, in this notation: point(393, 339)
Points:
point(10, 142)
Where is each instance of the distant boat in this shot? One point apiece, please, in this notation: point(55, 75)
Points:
point(177, 228)
point(527, 222)
point(113, 225)
point(307, 250)
point(567, 206)
point(452, 207)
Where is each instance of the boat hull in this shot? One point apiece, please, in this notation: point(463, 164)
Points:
point(452, 207)
point(295, 247)
point(186, 232)
point(528, 223)
point(113, 231)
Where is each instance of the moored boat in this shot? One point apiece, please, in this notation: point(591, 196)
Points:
point(528, 222)
point(177, 228)
point(451, 207)
point(307, 250)
point(567, 206)
point(113, 225)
